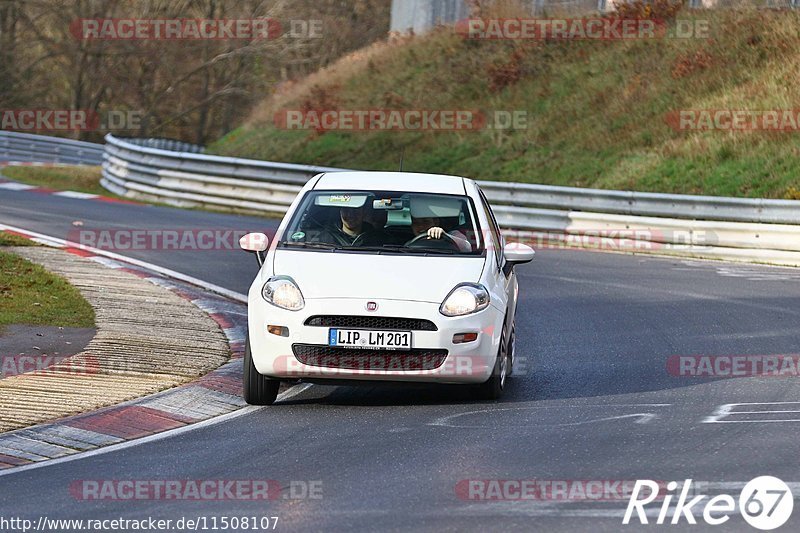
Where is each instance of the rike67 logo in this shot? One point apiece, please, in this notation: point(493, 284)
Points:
point(766, 503)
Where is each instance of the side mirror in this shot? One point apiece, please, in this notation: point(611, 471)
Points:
point(517, 254)
point(257, 243)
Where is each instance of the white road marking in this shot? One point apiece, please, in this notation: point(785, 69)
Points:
point(751, 273)
point(643, 418)
point(14, 186)
point(726, 411)
point(77, 195)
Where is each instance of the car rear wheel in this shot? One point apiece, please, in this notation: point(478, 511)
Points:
point(493, 388)
point(258, 389)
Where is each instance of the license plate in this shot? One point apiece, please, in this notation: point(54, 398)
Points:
point(370, 339)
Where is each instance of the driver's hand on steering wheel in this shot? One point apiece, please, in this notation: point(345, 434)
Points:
point(435, 233)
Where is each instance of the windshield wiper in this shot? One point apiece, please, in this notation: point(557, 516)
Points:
point(315, 245)
point(388, 248)
point(398, 248)
point(439, 251)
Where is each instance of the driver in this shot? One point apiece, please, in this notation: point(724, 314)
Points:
point(353, 230)
point(431, 227)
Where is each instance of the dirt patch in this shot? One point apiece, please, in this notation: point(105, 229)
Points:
point(50, 340)
point(30, 348)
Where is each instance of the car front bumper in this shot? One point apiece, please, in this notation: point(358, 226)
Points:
point(274, 355)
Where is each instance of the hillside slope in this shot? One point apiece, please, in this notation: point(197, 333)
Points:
point(597, 110)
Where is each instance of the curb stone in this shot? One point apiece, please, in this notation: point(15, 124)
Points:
point(214, 394)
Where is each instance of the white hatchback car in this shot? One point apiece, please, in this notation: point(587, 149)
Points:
point(383, 276)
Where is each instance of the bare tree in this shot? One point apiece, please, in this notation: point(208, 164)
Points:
point(195, 90)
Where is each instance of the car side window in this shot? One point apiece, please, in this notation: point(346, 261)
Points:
point(497, 237)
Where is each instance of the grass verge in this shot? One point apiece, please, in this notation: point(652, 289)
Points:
point(68, 178)
point(597, 111)
point(31, 295)
point(9, 239)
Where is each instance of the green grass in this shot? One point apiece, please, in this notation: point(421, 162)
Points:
point(9, 239)
point(596, 110)
point(69, 178)
point(29, 294)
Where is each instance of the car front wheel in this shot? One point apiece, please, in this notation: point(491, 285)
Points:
point(493, 388)
point(258, 389)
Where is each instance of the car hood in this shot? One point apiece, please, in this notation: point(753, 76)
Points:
point(379, 277)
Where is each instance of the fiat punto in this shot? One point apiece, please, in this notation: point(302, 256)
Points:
point(377, 276)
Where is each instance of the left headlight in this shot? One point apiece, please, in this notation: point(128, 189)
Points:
point(283, 292)
point(465, 299)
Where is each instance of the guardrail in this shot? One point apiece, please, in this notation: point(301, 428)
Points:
point(702, 226)
point(25, 147)
point(187, 178)
point(644, 204)
point(178, 173)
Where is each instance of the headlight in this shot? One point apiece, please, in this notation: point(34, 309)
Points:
point(465, 299)
point(283, 292)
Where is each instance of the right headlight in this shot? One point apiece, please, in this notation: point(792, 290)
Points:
point(283, 292)
point(465, 299)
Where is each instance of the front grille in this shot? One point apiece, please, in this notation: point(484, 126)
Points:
point(372, 322)
point(350, 359)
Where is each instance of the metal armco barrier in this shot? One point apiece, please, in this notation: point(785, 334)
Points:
point(734, 228)
point(28, 148)
point(187, 178)
point(644, 204)
point(177, 173)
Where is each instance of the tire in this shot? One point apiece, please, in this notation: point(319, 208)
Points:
point(512, 347)
point(258, 389)
point(496, 384)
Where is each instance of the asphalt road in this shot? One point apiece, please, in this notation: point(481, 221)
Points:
point(592, 399)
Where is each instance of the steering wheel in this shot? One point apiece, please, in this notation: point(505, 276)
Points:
point(447, 240)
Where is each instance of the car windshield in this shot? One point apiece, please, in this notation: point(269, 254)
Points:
point(385, 222)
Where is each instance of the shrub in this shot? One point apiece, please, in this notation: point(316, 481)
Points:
point(653, 9)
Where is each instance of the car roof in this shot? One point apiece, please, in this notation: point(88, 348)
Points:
point(391, 181)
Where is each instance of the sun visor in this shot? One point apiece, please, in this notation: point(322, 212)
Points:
point(433, 207)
